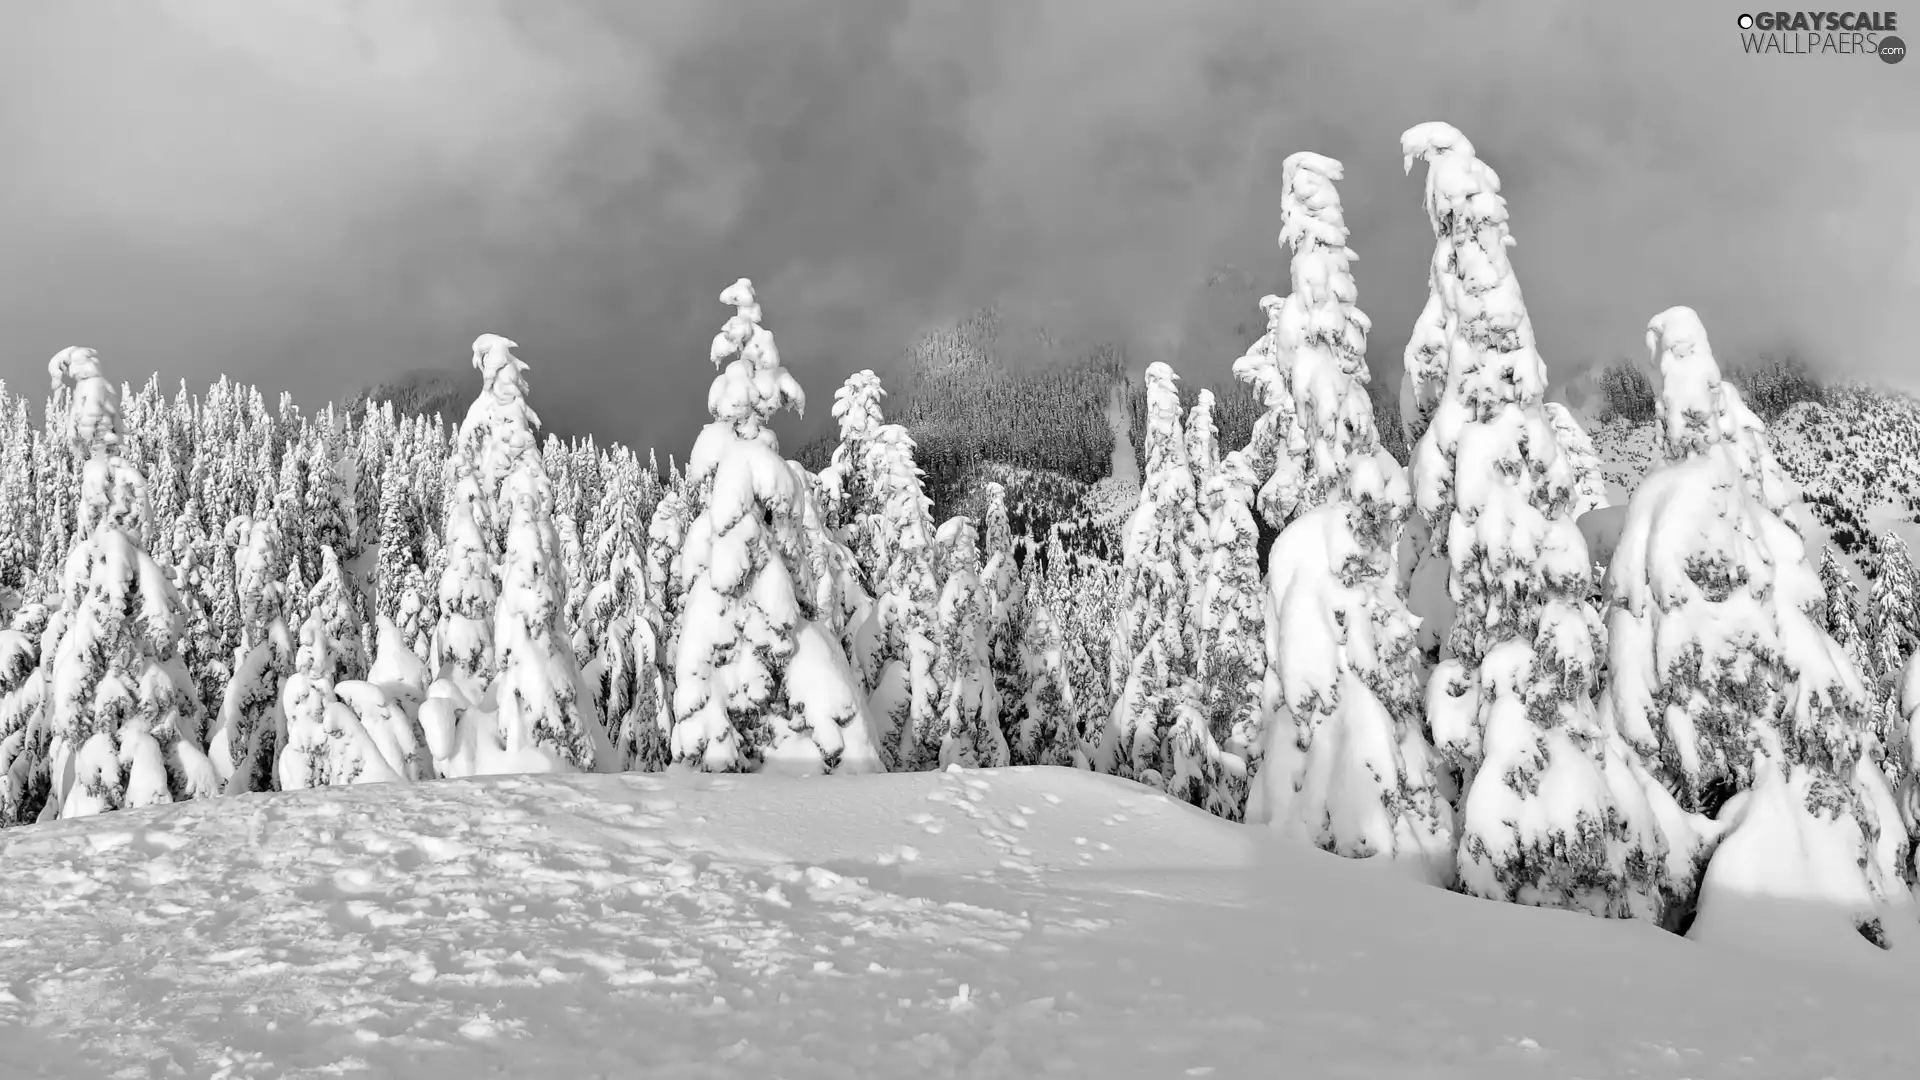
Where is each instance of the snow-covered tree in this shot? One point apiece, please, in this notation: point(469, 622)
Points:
point(1045, 730)
point(1159, 733)
point(1260, 368)
point(25, 737)
point(1904, 750)
point(542, 704)
point(125, 724)
point(462, 646)
point(898, 653)
point(1723, 678)
point(856, 405)
point(1346, 764)
point(1232, 660)
point(666, 540)
point(1893, 607)
point(248, 730)
point(1553, 809)
point(1320, 348)
point(1203, 440)
point(331, 599)
point(1344, 760)
point(756, 683)
point(970, 700)
point(623, 630)
point(1842, 622)
point(1589, 483)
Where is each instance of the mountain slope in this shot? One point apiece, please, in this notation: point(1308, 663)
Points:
point(1856, 458)
point(1021, 922)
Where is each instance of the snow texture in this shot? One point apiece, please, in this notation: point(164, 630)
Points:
point(1027, 922)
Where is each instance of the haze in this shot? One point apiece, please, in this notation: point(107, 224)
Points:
point(318, 194)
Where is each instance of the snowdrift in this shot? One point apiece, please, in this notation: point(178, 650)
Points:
point(1018, 922)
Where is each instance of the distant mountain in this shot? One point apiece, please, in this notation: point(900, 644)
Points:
point(420, 392)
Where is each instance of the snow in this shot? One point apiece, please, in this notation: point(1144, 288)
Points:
point(1018, 922)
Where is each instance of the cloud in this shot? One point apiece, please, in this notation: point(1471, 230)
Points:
point(313, 193)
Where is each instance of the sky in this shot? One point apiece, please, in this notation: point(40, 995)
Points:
point(313, 195)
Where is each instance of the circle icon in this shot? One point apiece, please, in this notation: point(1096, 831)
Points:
point(1892, 50)
point(1746, 22)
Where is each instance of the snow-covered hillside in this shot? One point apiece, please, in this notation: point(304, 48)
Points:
point(1855, 456)
point(1015, 923)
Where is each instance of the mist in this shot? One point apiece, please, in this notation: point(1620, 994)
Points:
point(314, 195)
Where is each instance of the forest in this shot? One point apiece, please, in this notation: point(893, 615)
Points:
point(1379, 622)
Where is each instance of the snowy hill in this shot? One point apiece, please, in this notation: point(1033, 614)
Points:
point(1856, 458)
point(1021, 922)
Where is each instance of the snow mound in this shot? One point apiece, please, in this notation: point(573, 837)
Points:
point(1016, 922)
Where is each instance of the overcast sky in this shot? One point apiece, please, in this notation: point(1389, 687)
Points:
point(312, 194)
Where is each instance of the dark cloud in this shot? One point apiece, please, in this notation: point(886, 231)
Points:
point(313, 193)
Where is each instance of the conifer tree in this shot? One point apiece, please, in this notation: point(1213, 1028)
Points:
point(623, 632)
point(756, 682)
point(125, 724)
point(249, 729)
point(1232, 661)
point(1045, 730)
point(25, 734)
point(856, 405)
point(543, 705)
point(1552, 810)
point(970, 700)
point(1723, 678)
point(898, 653)
point(1158, 733)
point(1842, 611)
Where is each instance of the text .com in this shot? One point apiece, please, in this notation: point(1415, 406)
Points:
point(1833, 33)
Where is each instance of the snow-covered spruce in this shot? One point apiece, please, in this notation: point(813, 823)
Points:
point(849, 479)
point(1724, 680)
point(509, 696)
point(1045, 730)
point(462, 648)
point(1233, 661)
point(1260, 368)
point(1904, 748)
point(1842, 611)
point(1344, 761)
point(1346, 764)
point(542, 704)
point(24, 733)
point(1589, 482)
point(1554, 810)
point(897, 651)
point(623, 631)
point(1203, 440)
point(757, 684)
point(1321, 349)
point(970, 701)
point(249, 729)
point(125, 725)
point(1005, 591)
point(1893, 610)
point(1158, 733)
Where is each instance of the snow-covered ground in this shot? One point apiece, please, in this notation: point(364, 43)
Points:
point(1010, 923)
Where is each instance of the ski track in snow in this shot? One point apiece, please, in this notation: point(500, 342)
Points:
point(1021, 922)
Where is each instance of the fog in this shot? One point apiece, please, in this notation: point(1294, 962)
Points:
point(317, 194)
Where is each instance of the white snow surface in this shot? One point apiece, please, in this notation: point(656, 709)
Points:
point(1017, 922)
